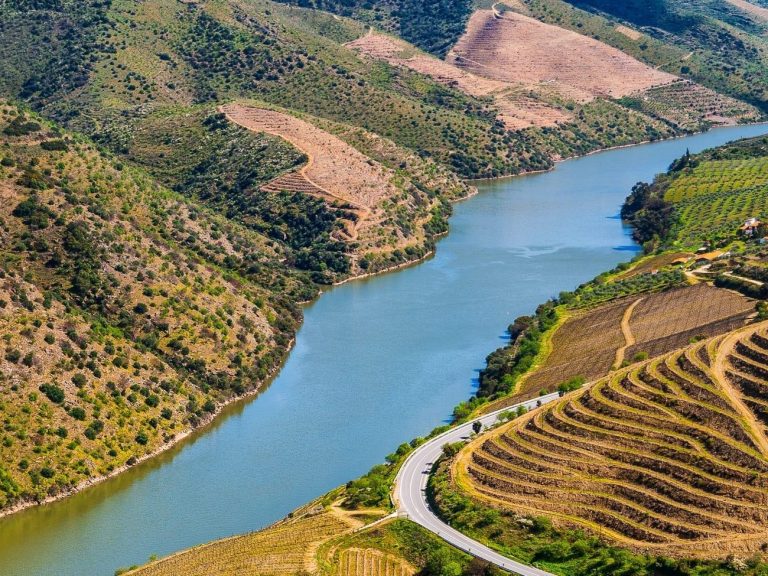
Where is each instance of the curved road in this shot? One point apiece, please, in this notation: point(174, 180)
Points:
point(410, 494)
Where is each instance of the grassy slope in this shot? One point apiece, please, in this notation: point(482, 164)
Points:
point(712, 42)
point(702, 199)
point(129, 314)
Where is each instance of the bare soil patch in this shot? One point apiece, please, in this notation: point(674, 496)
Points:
point(517, 107)
point(514, 48)
point(629, 32)
point(758, 12)
point(335, 170)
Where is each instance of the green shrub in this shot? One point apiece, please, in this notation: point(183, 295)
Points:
point(53, 392)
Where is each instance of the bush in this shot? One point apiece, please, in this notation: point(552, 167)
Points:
point(53, 392)
point(573, 384)
point(54, 145)
point(12, 355)
point(77, 413)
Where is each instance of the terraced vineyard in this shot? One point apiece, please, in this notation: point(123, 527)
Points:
point(590, 343)
point(669, 320)
point(371, 562)
point(718, 215)
point(667, 457)
point(690, 106)
point(584, 345)
point(718, 176)
point(284, 550)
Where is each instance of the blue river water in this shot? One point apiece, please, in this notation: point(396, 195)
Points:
point(376, 363)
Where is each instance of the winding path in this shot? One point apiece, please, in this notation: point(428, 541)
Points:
point(410, 494)
point(626, 330)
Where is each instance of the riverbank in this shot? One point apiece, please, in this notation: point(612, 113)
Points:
point(386, 343)
point(186, 434)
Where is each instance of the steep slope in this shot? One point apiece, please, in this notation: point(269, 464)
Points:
point(510, 46)
point(129, 315)
point(668, 457)
point(712, 42)
point(517, 108)
point(371, 195)
point(703, 199)
point(515, 48)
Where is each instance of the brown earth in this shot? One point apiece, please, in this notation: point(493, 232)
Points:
point(629, 32)
point(518, 108)
point(591, 343)
point(760, 13)
point(335, 170)
point(510, 47)
point(666, 457)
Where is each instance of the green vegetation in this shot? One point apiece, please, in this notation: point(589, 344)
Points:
point(433, 27)
point(703, 199)
point(712, 43)
point(129, 314)
point(505, 366)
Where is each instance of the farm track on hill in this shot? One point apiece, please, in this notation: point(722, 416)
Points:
point(666, 457)
point(590, 343)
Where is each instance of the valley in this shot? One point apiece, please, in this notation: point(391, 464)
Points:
point(202, 198)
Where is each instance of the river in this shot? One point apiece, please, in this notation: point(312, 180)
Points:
point(376, 363)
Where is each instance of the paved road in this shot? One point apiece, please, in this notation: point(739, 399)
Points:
point(411, 498)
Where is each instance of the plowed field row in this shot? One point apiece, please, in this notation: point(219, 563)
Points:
point(668, 457)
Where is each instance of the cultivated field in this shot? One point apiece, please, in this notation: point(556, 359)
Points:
point(514, 48)
point(335, 171)
point(717, 196)
point(686, 105)
point(371, 562)
point(668, 457)
point(590, 343)
point(669, 320)
point(283, 550)
point(517, 108)
point(584, 345)
point(718, 176)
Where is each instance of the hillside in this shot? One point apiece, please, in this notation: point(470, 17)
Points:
point(129, 315)
point(516, 48)
point(667, 457)
point(513, 47)
point(702, 200)
point(124, 67)
point(714, 43)
point(323, 538)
